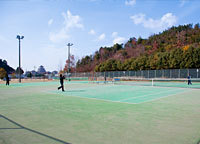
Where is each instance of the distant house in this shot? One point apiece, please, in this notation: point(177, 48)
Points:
point(41, 70)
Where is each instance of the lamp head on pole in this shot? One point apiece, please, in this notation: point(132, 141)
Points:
point(18, 37)
point(70, 44)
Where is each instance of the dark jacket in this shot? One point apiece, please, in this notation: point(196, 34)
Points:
point(7, 78)
point(62, 79)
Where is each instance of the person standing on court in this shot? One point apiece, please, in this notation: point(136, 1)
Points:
point(189, 80)
point(61, 82)
point(105, 79)
point(7, 79)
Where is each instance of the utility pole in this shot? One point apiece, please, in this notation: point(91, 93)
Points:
point(69, 44)
point(19, 38)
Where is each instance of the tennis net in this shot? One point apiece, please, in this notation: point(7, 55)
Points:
point(182, 83)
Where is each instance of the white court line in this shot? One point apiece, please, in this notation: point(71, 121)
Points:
point(64, 94)
point(147, 95)
point(163, 97)
point(90, 98)
point(107, 100)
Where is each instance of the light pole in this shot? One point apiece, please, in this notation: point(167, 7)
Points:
point(69, 44)
point(19, 38)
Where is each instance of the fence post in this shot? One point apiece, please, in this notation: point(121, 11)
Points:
point(142, 74)
point(170, 72)
point(179, 73)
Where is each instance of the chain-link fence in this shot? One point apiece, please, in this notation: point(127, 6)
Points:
point(167, 73)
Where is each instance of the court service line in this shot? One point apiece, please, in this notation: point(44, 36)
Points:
point(163, 97)
point(148, 95)
point(118, 101)
point(90, 98)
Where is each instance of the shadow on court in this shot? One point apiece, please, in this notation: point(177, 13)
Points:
point(31, 130)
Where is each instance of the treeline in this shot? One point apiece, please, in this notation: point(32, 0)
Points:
point(175, 59)
point(177, 47)
point(88, 63)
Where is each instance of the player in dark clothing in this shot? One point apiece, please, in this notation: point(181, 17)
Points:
point(189, 80)
point(61, 82)
point(105, 79)
point(7, 79)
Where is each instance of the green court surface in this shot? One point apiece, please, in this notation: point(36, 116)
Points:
point(122, 93)
point(88, 113)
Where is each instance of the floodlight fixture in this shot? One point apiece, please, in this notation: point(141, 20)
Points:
point(18, 37)
point(70, 44)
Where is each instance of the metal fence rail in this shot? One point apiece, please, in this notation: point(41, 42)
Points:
point(166, 73)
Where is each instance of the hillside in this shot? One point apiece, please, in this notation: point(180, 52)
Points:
point(177, 47)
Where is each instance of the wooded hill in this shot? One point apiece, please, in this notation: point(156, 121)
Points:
point(175, 48)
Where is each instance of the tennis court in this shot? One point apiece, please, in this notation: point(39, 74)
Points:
point(122, 93)
point(88, 113)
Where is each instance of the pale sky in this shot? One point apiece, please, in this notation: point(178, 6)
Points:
point(48, 25)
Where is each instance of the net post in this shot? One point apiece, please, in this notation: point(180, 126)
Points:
point(152, 83)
